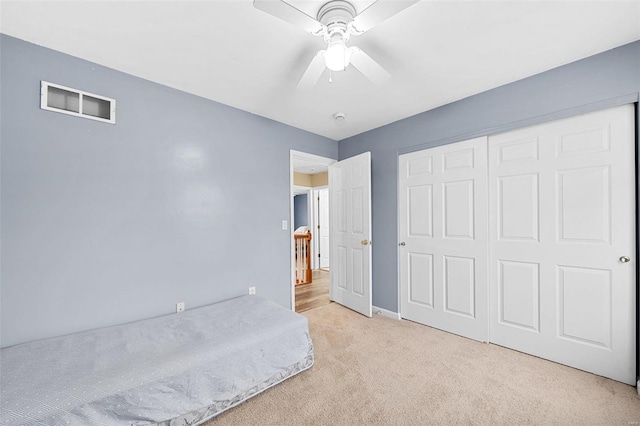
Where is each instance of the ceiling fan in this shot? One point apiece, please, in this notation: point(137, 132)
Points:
point(337, 21)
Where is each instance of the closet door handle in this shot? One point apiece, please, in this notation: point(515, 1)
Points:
point(624, 259)
point(402, 244)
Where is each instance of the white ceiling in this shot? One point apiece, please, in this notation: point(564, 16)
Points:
point(436, 51)
point(309, 168)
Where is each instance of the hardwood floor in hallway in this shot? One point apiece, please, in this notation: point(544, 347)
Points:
point(315, 293)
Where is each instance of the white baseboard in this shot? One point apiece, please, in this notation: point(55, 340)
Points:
point(386, 313)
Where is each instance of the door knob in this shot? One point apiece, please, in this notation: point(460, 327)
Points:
point(402, 244)
point(364, 242)
point(624, 259)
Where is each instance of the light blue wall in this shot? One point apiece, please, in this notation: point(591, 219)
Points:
point(103, 224)
point(300, 211)
point(607, 79)
point(181, 200)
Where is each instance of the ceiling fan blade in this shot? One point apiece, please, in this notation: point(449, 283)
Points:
point(379, 11)
point(290, 14)
point(367, 66)
point(314, 72)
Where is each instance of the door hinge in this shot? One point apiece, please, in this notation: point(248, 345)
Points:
point(318, 254)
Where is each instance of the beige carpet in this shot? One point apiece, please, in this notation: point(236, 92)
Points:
point(388, 372)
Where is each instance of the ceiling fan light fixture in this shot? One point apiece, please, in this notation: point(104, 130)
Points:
point(337, 56)
point(336, 21)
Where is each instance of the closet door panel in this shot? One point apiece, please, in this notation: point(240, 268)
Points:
point(561, 203)
point(443, 238)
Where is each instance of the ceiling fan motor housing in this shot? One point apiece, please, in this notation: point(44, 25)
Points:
point(336, 16)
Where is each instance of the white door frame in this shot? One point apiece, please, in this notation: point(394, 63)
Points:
point(296, 157)
point(313, 225)
point(315, 222)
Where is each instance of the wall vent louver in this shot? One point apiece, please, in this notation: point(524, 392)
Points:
point(54, 97)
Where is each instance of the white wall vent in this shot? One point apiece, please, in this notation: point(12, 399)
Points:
point(54, 97)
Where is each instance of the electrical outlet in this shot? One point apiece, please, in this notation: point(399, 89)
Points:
point(179, 307)
point(252, 290)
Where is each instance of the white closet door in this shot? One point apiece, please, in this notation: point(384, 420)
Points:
point(443, 238)
point(562, 206)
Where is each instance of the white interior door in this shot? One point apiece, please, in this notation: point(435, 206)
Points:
point(562, 208)
point(323, 227)
point(443, 238)
point(350, 233)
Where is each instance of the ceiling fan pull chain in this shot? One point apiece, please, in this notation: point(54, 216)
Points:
point(330, 77)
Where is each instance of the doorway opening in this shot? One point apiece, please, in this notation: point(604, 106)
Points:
point(309, 189)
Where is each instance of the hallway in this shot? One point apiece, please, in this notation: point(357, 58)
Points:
point(315, 293)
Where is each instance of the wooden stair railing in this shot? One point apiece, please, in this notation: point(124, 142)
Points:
point(303, 257)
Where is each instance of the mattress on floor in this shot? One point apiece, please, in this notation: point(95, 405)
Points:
point(177, 369)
